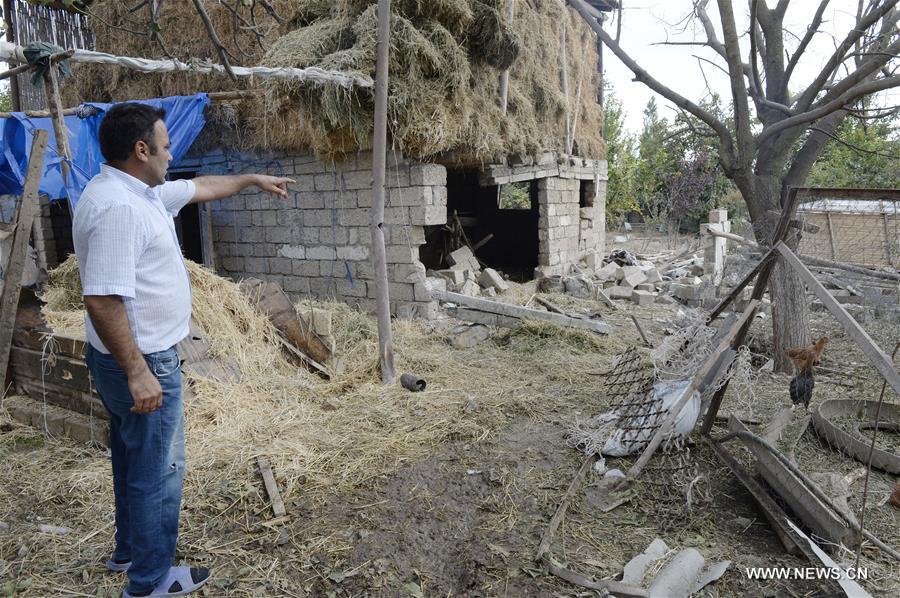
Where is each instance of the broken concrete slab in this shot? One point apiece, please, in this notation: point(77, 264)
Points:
point(579, 286)
point(643, 298)
point(607, 272)
point(454, 277)
point(633, 279)
point(491, 278)
point(466, 336)
point(619, 292)
point(469, 288)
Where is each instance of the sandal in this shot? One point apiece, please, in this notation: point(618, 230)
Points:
point(179, 582)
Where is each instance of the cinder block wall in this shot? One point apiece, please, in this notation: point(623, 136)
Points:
point(559, 224)
point(318, 241)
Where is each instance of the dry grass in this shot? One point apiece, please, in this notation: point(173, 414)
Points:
point(446, 60)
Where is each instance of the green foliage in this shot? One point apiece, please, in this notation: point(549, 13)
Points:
point(869, 156)
point(669, 173)
point(5, 99)
point(515, 196)
point(621, 196)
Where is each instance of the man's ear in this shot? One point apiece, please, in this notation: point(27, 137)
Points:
point(142, 150)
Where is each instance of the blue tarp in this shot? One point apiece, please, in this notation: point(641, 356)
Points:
point(184, 120)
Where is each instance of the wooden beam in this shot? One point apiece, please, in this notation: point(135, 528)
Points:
point(271, 487)
point(379, 151)
point(831, 235)
point(514, 311)
point(666, 428)
point(28, 207)
point(729, 299)
point(878, 357)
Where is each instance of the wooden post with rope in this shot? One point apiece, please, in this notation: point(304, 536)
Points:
point(12, 275)
point(504, 77)
point(379, 151)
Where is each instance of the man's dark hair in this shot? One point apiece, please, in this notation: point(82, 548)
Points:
point(126, 124)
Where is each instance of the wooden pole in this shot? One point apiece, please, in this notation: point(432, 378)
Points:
point(564, 68)
point(11, 37)
point(504, 77)
point(877, 357)
point(51, 89)
point(28, 207)
point(379, 151)
point(831, 235)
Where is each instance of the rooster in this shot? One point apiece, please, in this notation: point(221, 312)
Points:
point(804, 359)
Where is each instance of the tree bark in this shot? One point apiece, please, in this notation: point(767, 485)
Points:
point(787, 292)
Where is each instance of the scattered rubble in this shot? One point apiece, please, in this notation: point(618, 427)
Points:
point(466, 336)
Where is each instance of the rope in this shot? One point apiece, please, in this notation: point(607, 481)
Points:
point(13, 53)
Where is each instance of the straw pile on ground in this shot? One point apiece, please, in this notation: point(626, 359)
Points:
point(446, 60)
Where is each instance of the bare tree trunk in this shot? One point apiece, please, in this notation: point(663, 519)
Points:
point(790, 312)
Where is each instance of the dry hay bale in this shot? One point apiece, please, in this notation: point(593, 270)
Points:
point(491, 39)
point(444, 87)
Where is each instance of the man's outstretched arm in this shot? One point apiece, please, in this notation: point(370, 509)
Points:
point(210, 188)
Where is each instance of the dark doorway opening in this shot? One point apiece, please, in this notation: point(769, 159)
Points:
point(501, 222)
point(187, 225)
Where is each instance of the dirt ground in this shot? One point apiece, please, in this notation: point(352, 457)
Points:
point(465, 517)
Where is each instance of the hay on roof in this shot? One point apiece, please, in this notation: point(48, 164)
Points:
point(446, 61)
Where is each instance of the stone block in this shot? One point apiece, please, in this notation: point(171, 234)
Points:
point(688, 292)
point(436, 283)
point(467, 336)
point(489, 292)
point(454, 277)
point(652, 275)
point(321, 321)
point(462, 259)
point(664, 299)
point(607, 272)
point(619, 292)
point(551, 284)
point(469, 288)
point(353, 252)
point(579, 286)
point(645, 286)
point(321, 252)
point(490, 278)
point(633, 279)
point(643, 298)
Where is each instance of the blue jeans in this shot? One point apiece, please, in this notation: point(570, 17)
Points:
point(147, 463)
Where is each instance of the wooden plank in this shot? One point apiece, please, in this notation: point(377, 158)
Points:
point(64, 396)
point(831, 235)
point(815, 514)
point(767, 505)
point(514, 311)
point(666, 428)
point(878, 357)
point(56, 369)
point(206, 236)
point(28, 208)
point(193, 347)
point(729, 299)
point(271, 487)
point(271, 300)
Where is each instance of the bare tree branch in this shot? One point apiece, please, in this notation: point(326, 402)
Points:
point(214, 38)
point(854, 147)
point(726, 142)
point(808, 96)
point(834, 105)
point(810, 33)
point(812, 148)
point(738, 91)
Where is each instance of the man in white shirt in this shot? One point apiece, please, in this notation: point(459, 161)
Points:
point(138, 301)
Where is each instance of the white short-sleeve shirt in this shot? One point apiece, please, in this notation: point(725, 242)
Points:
point(125, 241)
